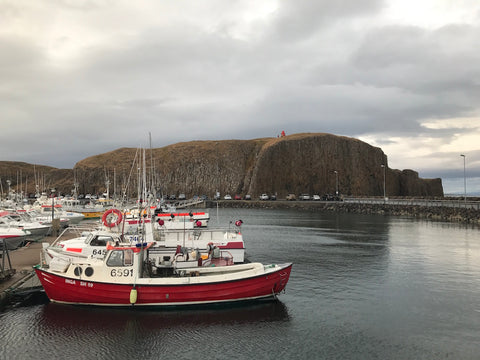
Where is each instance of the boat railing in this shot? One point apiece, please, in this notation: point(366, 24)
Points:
point(162, 262)
point(74, 231)
point(449, 203)
point(197, 234)
point(220, 258)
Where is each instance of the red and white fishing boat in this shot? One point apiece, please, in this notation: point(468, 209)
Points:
point(140, 276)
point(83, 241)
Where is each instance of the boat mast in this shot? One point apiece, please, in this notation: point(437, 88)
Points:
point(153, 189)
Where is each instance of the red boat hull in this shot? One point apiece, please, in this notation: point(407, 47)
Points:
point(66, 290)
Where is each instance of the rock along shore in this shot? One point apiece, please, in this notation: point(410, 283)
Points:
point(438, 213)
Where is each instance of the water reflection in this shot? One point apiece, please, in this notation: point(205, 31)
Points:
point(361, 287)
point(105, 320)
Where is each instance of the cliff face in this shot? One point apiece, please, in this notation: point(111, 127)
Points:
point(306, 163)
point(300, 163)
point(197, 167)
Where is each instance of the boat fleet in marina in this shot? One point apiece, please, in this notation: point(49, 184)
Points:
point(142, 256)
point(20, 224)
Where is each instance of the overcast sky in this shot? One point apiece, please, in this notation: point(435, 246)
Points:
point(84, 77)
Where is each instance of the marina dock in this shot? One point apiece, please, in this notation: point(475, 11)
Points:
point(22, 261)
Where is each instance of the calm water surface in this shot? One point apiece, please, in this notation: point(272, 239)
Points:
point(362, 287)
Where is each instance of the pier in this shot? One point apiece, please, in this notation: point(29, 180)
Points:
point(23, 278)
point(450, 210)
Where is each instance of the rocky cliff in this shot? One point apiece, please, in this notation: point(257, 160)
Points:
point(300, 163)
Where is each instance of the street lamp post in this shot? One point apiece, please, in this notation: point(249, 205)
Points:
point(8, 193)
point(336, 182)
point(464, 180)
point(384, 183)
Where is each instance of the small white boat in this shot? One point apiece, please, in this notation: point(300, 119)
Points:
point(12, 238)
point(45, 219)
point(23, 222)
point(59, 212)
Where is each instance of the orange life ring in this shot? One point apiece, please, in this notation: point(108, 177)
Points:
point(118, 214)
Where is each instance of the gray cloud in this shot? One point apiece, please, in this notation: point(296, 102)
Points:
point(302, 19)
point(305, 67)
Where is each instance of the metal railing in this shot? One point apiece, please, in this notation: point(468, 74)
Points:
point(452, 203)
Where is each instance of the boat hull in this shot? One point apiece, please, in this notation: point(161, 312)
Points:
point(11, 242)
point(69, 290)
point(92, 214)
point(38, 233)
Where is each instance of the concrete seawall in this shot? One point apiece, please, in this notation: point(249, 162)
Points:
point(438, 212)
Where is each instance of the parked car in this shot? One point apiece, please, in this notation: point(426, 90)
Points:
point(247, 197)
point(172, 197)
point(264, 197)
point(181, 197)
point(304, 197)
point(273, 197)
point(316, 197)
point(237, 197)
point(331, 197)
point(291, 197)
point(227, 197)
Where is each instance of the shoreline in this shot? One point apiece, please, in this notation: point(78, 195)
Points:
point(436, 213)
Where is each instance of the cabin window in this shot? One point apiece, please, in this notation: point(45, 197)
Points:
point(115, 258)
point(88, 239)
point(100, 240)
point(128, 257)
point(120, 258)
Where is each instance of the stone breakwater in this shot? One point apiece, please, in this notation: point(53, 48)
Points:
point(438, 213)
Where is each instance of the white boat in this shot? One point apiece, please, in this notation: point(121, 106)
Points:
point(59, 212)
point(173, 231)
point(12, 238)
point(88, 242)
point(92, 210)
point(43, 205)
point(23, 222)
point(45, 219)
point(198, 218)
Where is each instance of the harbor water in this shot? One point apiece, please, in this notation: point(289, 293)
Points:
point(362, 287)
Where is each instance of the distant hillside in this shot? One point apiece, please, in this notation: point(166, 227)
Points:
point(25, 177)
point(299, 163)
